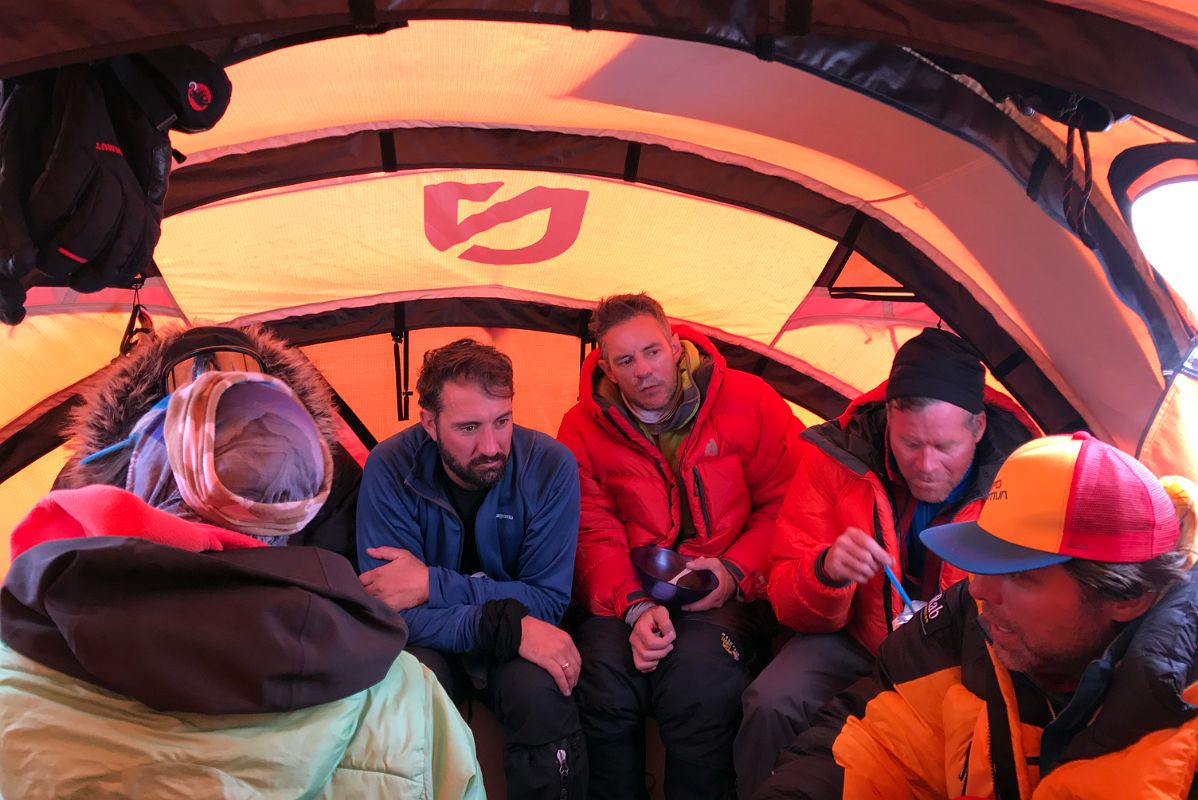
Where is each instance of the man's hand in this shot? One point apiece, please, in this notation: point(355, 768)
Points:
point(652, 638)
point(401, 584)
point(551, 649)
point(722, 593)
point(855, 556)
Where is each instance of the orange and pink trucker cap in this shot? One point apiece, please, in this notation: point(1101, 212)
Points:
point(1058, 498)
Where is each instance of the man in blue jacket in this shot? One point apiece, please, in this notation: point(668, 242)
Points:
point(467, 526)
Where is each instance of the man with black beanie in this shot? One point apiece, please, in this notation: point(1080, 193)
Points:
point(920, 449)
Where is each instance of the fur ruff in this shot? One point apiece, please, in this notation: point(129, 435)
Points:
point(120, 394)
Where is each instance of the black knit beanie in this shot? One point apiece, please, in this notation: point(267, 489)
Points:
point(939, 365)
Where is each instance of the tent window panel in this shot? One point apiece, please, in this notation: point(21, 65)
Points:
point(362, 371)
point(861, 278)
point(21, 492)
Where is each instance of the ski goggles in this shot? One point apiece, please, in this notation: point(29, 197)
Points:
point(216, 358)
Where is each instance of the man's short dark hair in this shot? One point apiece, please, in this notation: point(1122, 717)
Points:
point(465, 361)
point(1124, 580)
point(619, 308)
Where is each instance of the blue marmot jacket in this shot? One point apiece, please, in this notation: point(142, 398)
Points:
point(526, 532)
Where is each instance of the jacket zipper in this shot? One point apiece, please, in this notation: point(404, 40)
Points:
point(993, 769)
point(964, 775)
point(563, 772)
point(887, 606)
point(437, 501)
point(702, 501)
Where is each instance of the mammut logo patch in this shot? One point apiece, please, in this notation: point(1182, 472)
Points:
point(444, 229)
point(105, 147)
point(729, 647)
point(934, 616)
point(504, 516)
point(199, 96)
point(996, 491)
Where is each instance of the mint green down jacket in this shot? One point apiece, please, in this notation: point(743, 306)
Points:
point(63, 738)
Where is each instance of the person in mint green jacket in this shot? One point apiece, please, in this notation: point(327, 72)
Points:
point(156, 645)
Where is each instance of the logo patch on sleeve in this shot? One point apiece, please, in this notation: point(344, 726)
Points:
point(935, 616)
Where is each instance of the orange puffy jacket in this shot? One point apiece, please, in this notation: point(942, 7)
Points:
point(838, 485)
point(943, 719)
point(736, 463)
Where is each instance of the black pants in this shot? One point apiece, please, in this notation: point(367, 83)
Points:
point(783, 701)
point(544, 754)
point(695, 695)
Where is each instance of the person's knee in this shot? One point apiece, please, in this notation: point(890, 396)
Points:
point(698, 709)
point(529, 705)
point(698, 686)
point(766, 698)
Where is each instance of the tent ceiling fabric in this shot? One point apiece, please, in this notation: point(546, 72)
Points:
point(940, 192)
point(723, 156)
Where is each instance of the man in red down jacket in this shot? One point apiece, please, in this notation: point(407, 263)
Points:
point(676, 450)
point(920, 449)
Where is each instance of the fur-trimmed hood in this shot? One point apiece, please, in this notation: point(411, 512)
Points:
point(118, 397)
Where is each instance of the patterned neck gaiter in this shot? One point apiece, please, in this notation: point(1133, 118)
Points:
point(236, 449)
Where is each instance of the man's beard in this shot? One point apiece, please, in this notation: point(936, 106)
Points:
point(482, 472)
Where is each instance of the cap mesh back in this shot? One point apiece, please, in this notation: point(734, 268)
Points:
point(1117, 511)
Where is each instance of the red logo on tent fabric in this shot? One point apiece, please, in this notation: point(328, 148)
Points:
point(444, 229)
point(199, 96)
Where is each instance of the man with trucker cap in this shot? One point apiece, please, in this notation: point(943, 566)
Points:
point(1065, 667)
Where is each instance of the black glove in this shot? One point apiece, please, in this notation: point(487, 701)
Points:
point(87, 211)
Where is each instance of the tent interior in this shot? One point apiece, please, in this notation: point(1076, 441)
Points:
point(809, 183)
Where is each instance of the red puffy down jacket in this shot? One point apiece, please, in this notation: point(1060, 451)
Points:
point(837, 486)
point(736, 464)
